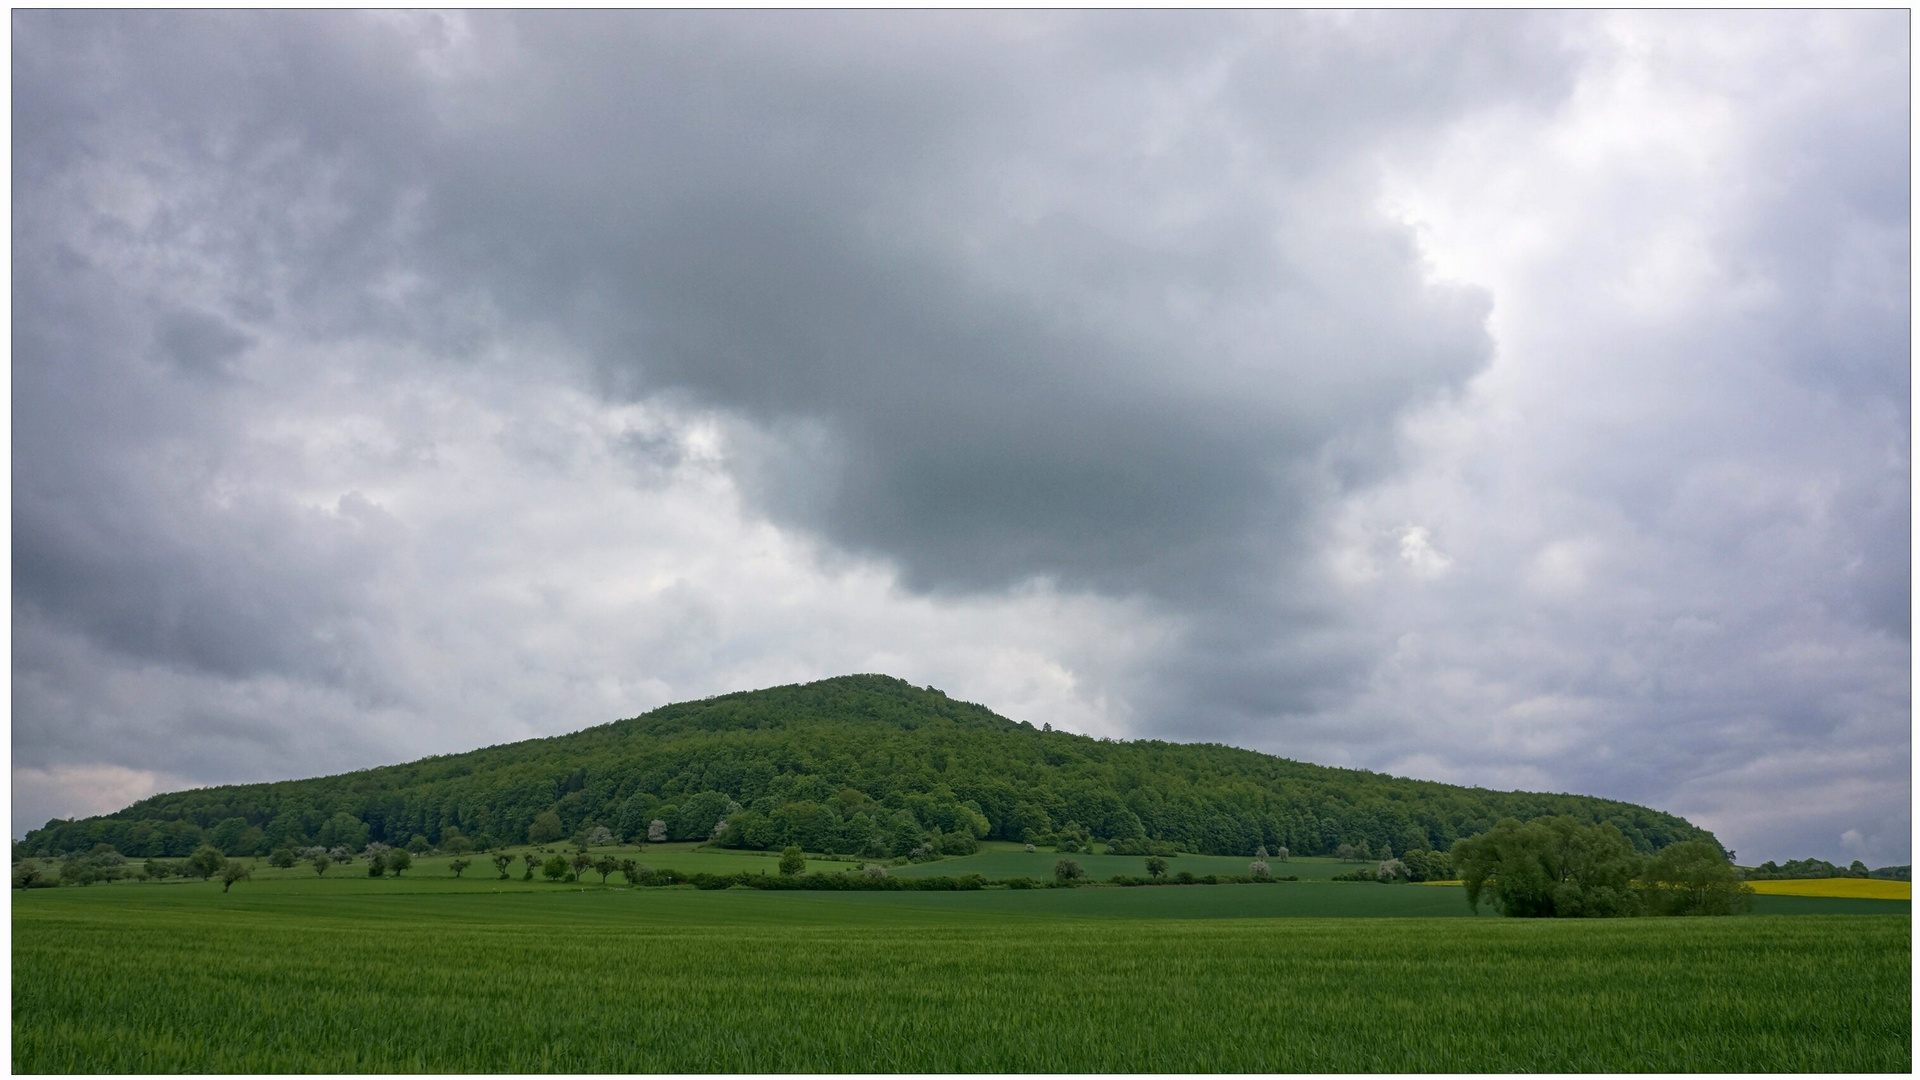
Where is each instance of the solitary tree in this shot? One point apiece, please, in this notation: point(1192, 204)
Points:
point(1068, 870)
point(458, 865)
point(1260, 869)
point(1156, 866)
point(1281, 854)
point(502, 860)
point(555, 867)
point(320, 864)
point(206, 861)
point(657, 832)
point(792, 862)
point(234, 871)
point(399, 859)
point(281, 859)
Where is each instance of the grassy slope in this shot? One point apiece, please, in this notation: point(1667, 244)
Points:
point(430, 973)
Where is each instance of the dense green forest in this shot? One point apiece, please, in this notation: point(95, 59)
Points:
point(857, 765)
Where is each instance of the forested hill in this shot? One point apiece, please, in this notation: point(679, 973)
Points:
point(862, 764)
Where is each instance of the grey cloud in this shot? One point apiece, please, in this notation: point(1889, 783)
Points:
point(1106, 301)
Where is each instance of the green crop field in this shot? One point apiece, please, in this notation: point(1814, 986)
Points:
point(427, 973)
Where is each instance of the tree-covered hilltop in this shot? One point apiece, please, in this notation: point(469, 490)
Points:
point(862, 764)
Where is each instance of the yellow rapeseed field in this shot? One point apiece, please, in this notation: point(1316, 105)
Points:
point(1854, 888)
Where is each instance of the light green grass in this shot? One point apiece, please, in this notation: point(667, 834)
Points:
point(430, 974)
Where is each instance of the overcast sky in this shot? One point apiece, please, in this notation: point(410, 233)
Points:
point(1507, 400)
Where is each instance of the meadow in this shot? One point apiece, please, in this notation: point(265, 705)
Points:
point(290, 972)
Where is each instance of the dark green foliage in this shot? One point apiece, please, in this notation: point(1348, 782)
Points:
point(101, 864)
point(320, 864)
point(234, 871)
point(1804, 869)
point(792, 862)
point(206, 862)
point(377, 864)
point(399, 859)
point(1068, 870)
point(1428, 865)
point(1156, 867)
point(862, 765)
point(281, 858)
point(545, 828)
point(459, 865)
point(1691, 878)
point(555, 867)
point(502, 860)
point(1552, 867)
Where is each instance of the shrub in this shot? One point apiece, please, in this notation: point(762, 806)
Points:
point(281, 859)
point(1156, 867)
point(320, 864)
point(1068, 870)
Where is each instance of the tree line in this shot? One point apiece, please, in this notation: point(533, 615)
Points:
point(864, 766)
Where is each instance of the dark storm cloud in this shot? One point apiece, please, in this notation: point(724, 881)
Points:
point(1104, 301)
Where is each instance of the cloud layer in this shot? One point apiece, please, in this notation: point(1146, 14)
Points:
point(1512, 400)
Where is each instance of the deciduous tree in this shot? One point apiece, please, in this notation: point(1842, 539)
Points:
point(234, 871)
point(546, 828)
point(1691, 878)
point(206, 861)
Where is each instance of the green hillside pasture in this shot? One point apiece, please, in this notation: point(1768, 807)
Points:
point(1009, 861)
point(687, 858)
point(437, 975)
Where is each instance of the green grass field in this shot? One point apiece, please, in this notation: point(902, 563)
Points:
point(426, 973)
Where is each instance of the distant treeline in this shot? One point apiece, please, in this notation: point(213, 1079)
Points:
point(860, 765)
point(1802, 869)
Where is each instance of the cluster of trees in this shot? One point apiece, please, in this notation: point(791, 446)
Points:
point(861, 766)
point(1801, 869)
point(1560, 868)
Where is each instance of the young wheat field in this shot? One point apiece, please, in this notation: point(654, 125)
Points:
point(431, 974)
